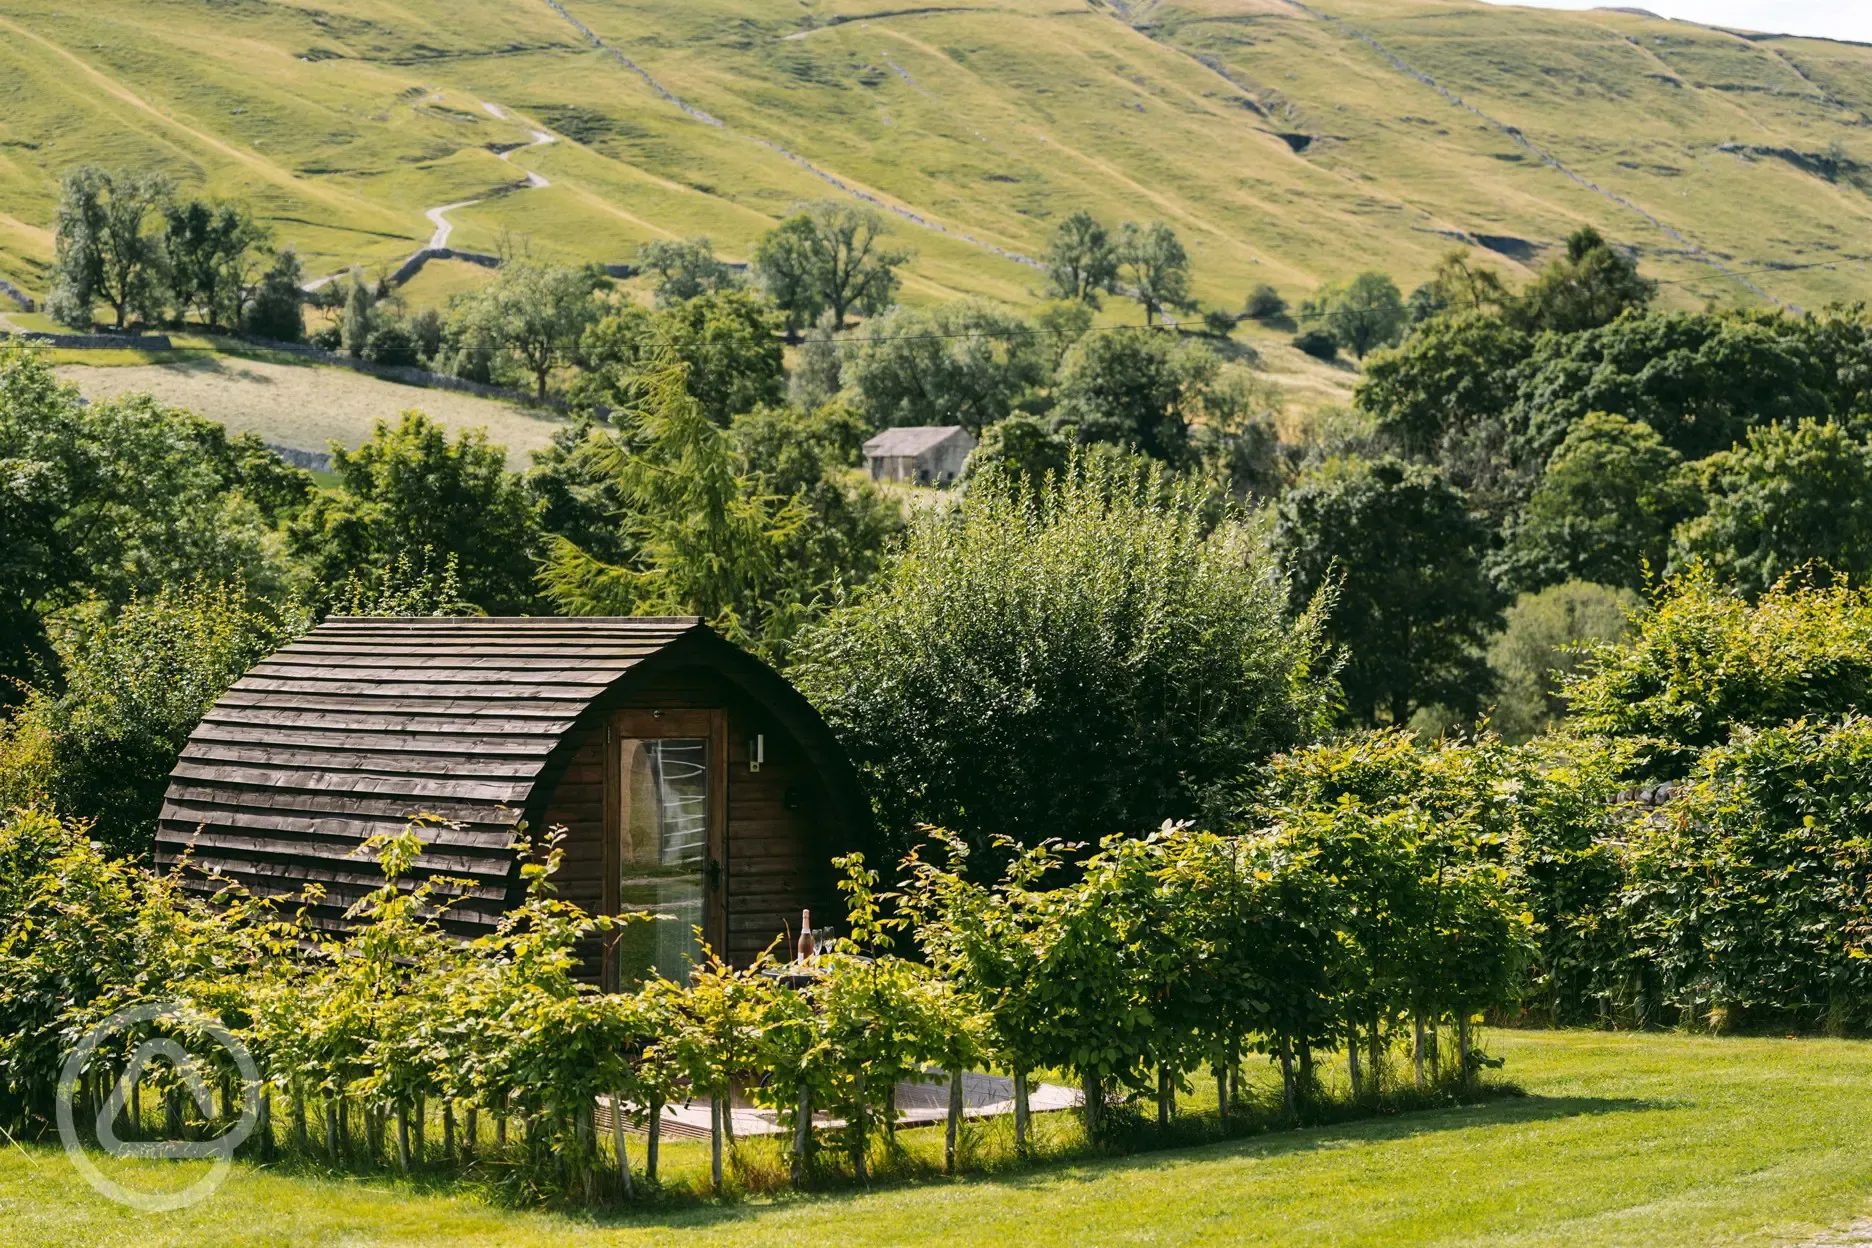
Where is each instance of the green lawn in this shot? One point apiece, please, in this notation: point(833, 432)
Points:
point(1657, 1140)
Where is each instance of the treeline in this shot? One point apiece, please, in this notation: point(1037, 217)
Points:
point(1519, 469)
point(125, 239)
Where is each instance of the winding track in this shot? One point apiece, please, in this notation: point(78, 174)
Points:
point(438, 215)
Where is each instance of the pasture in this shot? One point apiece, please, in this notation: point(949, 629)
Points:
point(1288, 144)
point(300, 405)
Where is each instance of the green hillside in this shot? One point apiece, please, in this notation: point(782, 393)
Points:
point(1288, 142)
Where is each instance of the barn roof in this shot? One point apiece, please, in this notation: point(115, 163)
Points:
point(910, 440)
point(347, 732)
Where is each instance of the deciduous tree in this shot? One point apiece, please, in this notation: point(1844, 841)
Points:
point(829, 255)
point(1152, 257)
point(1401, 555)
point(1082, 261)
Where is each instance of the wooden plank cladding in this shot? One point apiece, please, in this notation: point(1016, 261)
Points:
point(498, 725)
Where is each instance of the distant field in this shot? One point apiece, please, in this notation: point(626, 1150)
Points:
point(438, 281)
point(1288, 141)
point(306, 407)
point(1667, 1141)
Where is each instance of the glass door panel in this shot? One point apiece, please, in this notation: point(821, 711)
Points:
point(664, 855)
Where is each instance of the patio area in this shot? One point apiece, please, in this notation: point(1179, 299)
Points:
point(920, 1103)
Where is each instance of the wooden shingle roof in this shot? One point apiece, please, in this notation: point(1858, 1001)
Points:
point(346, 733)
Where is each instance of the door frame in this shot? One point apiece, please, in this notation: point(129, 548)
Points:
point(650, 724)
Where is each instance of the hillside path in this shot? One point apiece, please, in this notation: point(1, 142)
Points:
point(439, 214)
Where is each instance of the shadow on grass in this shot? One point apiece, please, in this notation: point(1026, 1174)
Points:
point(1087, 1166)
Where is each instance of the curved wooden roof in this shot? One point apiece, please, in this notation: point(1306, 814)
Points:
point(346, 733)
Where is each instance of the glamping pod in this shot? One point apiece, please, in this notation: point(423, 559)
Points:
point(692, 780)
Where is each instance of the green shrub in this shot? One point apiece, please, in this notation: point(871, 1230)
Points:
point(136, 685)
point(1747, 898)
point(1317, 343)
point(1705, 662)
point(1093, 656)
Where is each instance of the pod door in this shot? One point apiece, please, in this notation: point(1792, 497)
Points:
point(667, 802)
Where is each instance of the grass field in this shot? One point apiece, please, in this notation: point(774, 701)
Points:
point(1658, 1140)
point(300, 405)
point(1289, 142)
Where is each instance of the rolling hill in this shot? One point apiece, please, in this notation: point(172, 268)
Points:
point(1289, 142)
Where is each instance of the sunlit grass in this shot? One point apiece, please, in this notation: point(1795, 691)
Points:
point(1661, 1140)
point(994, 120)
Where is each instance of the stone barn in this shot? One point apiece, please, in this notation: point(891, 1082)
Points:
point(692, 780)
point(920, 454)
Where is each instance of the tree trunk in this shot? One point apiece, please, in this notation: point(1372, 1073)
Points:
point(421, 1120)
point(1418, 1050)
point(618, 1144)
point(715, 1142)
point(1234, 1073)
point(587, 1152)
point(136, 1108)
point(1222, 1098)
point(1352, 1067)
point(448, 1129)
point(858, 1132)
point(1094, 1106)
point(263, 1124)
point(331, 1127)
point(653, 1138)
point(1020, 1113)
point(1287, 1075)
point(500, 1131)
point(1305, 1088)
point(1166, 1098)
point(402, 1139)
point(727, 1116)
point(344, 1124)
point(470, 1121)
point(1375, 1045)
point(802, 1134)
point(1462, 1049)
point(952, 1137)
